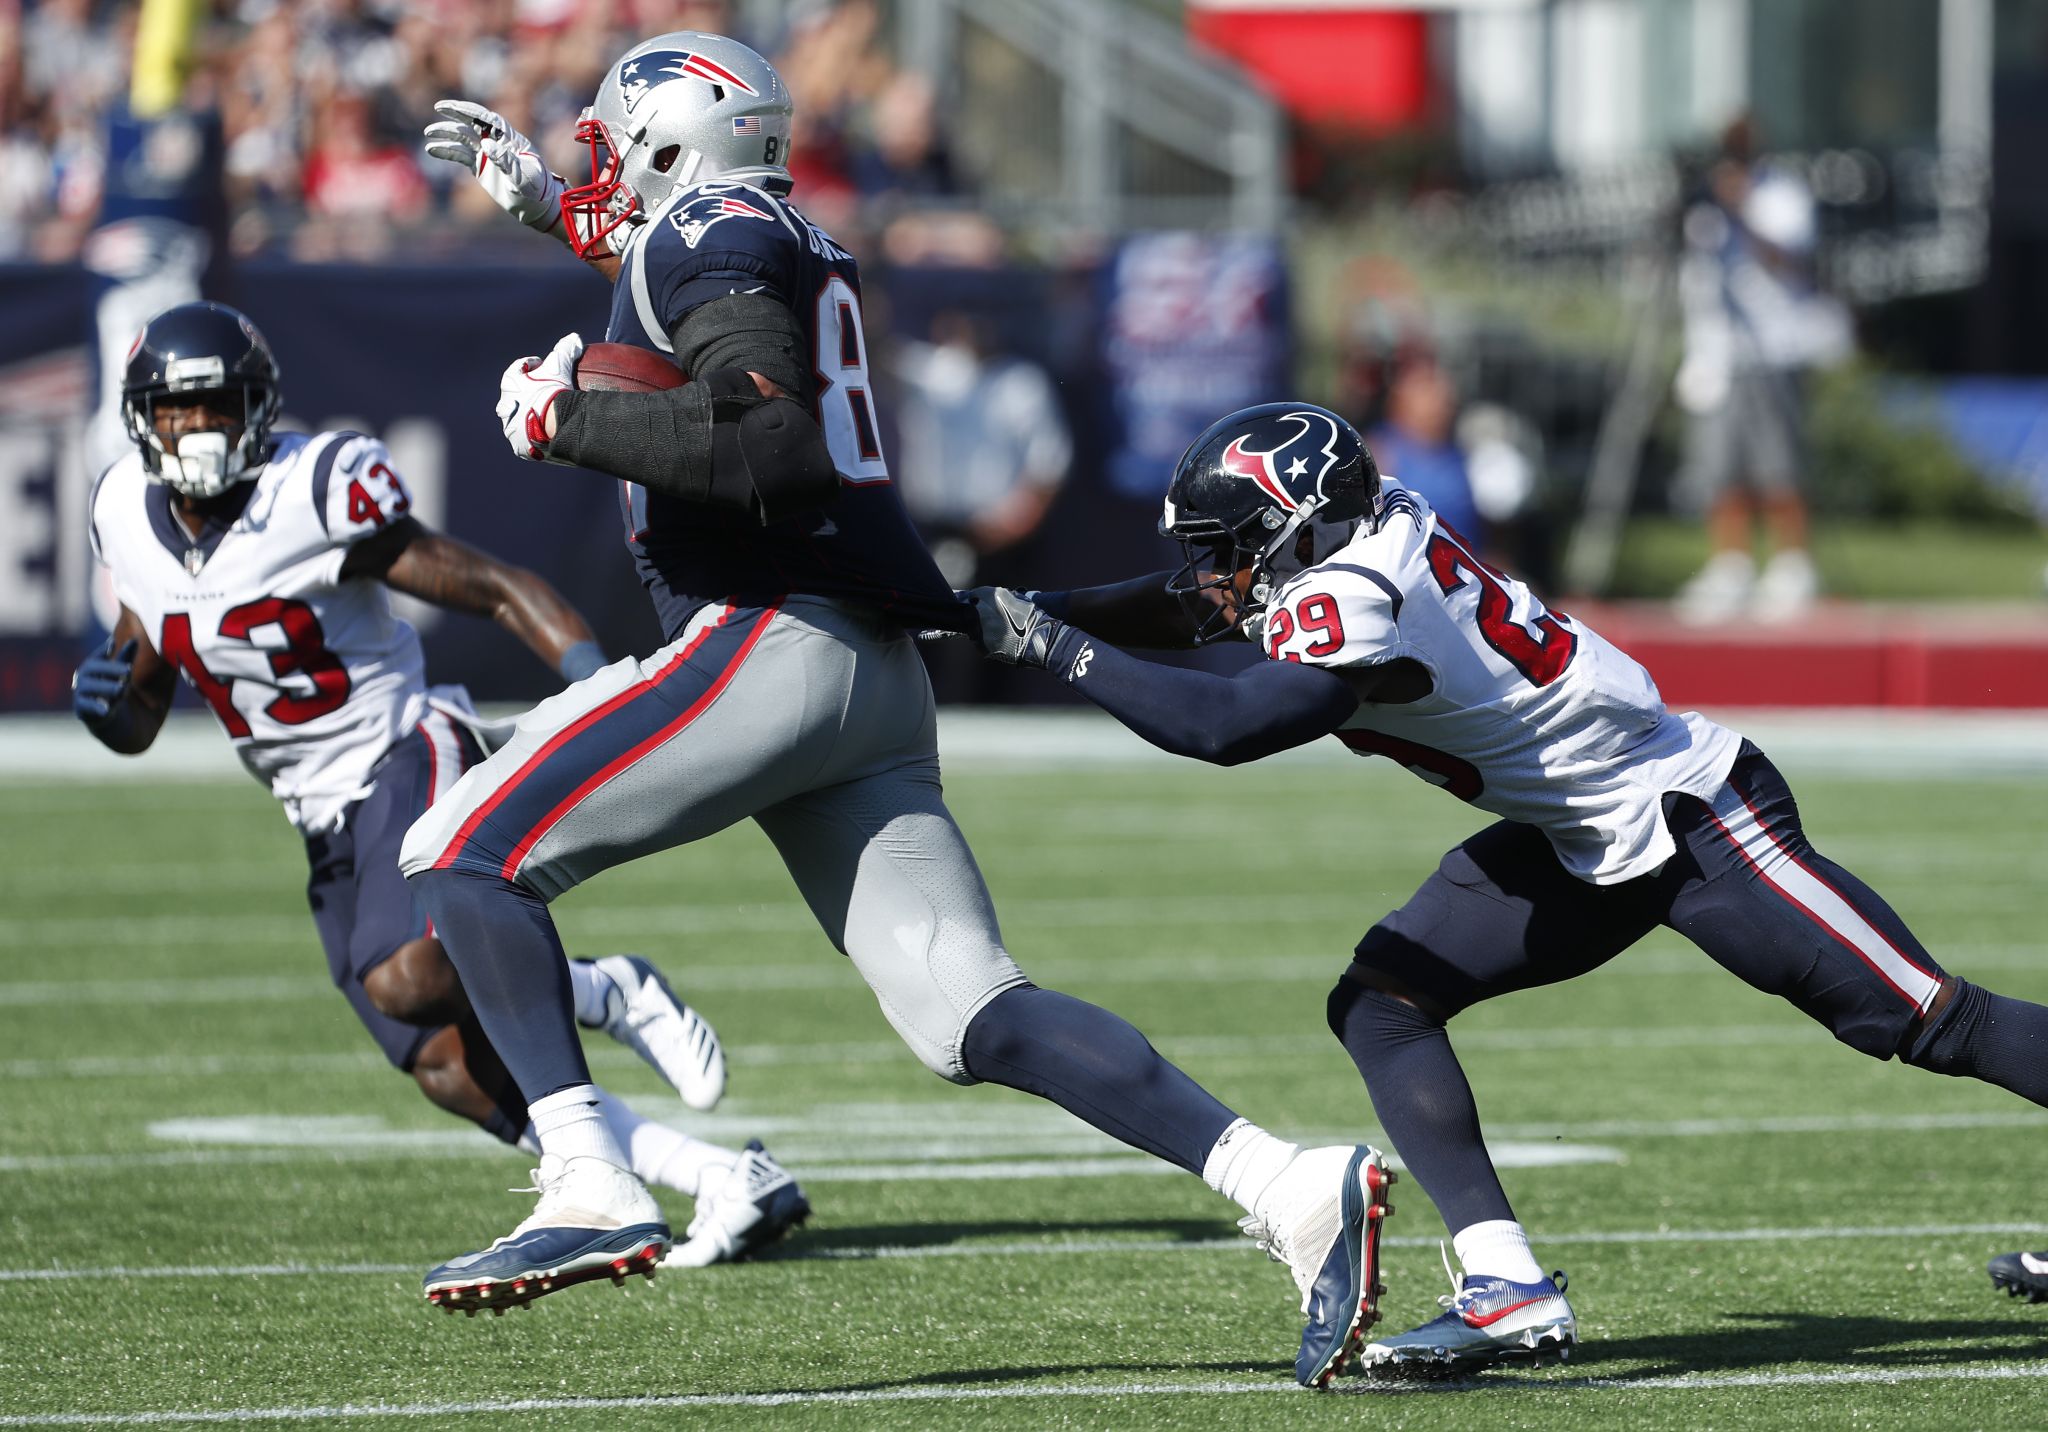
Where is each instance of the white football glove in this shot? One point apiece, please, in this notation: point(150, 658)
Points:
point(503, 160)
point(529, 388)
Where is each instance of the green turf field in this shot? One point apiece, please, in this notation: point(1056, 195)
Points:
point(215, 1204)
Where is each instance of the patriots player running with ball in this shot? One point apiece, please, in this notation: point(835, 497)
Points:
point(257, 565)
point(1385, 629)
point(758, 507)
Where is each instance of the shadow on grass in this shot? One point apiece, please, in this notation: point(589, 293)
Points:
point(867, 1240)
point(1764, 1344)
point(1766, 1340)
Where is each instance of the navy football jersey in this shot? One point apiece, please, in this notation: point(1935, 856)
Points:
point(720, 238)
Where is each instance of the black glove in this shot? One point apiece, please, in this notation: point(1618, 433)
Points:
point(1012, 629)
point(101, 683)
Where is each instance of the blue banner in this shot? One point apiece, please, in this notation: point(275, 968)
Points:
point(1194, 326)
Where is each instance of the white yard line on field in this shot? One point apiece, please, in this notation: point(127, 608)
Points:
point(829, 971)
point(889, 1051)
point(1701, 1382)
point(1868, 743)
point(897, 1142)
point(1037, 1248)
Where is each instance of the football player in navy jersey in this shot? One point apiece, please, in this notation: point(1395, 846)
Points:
point(758, 507)
point(258, 565)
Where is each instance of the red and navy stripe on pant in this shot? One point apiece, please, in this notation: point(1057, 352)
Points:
point(1502, 913)
point(499, 835)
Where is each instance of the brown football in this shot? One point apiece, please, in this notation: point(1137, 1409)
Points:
point(622, 368)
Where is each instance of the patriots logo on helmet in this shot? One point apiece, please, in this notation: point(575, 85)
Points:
point(1292, 459)
point(643, 73)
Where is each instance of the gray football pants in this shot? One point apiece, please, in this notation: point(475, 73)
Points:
point(813, 717)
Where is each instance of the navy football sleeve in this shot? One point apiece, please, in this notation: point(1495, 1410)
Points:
point(1225, 720)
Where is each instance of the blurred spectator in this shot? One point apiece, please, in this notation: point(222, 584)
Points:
point(322, 102)
point(1755, 324)
point(984, 451)
point(908, 160)
point(28, 186)
point(356, 184)
point(1416, 443)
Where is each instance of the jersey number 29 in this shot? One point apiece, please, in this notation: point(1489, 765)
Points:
point(1540, 658)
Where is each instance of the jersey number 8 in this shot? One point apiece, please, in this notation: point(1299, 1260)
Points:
point(846, 410)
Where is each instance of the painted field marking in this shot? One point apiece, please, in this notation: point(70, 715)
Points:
point(829, 972)
point(1066, 1247)
point(936, 1144)
point(1696, 1382)
point(889, 1051)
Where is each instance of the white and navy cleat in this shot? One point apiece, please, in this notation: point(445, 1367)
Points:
point(643, 1013)
point(1486, 1322)
point(2022, 1275)
point(1326, 1229)
point(594, 1220)
point(751, 1205)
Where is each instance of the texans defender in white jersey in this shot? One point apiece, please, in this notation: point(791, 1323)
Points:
point(258, 566)
point(1385, 629)
point(758, 506)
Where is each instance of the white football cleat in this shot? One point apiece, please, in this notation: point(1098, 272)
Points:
point(1486, 1322)
point(1719, 591)
point(749, 1206)
point(594, 1220)
point(643, 1013)
point(1788, 588)
point(1322, 1218)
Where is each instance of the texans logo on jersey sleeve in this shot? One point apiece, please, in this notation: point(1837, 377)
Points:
point(1283, 473)
point(657, 67)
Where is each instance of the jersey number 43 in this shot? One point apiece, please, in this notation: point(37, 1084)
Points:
point(305, 655)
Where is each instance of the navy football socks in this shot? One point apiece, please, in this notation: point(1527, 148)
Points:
point(1993, 1037)
point(1099, 1069)
point(1423, 1101)
point(503, 943)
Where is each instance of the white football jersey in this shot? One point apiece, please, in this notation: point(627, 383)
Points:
point(310, 675)
point(1533, 716)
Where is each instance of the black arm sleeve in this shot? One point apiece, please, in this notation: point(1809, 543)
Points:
point(715, 439)
point(1225, 720)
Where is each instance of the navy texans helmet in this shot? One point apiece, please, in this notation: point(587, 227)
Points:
point(1276, 489)
point(201, 348)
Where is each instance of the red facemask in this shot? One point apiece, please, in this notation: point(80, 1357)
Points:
point(591, 212)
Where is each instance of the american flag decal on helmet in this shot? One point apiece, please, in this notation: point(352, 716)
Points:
point(747, 124)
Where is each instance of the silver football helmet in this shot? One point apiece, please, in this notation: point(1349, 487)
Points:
point(675, 110)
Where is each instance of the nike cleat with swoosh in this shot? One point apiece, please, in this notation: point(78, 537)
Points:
point(1325, 1226)
point(1486, 1322)
point(2022, 1275)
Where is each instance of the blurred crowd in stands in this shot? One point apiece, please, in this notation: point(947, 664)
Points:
point(321, 103)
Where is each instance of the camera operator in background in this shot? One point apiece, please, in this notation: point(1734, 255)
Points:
point(1755, 325)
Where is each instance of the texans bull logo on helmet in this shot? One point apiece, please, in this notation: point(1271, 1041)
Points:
point(1314, 442)
point(643, 72)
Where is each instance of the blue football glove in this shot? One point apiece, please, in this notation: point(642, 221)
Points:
point(101, 682)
